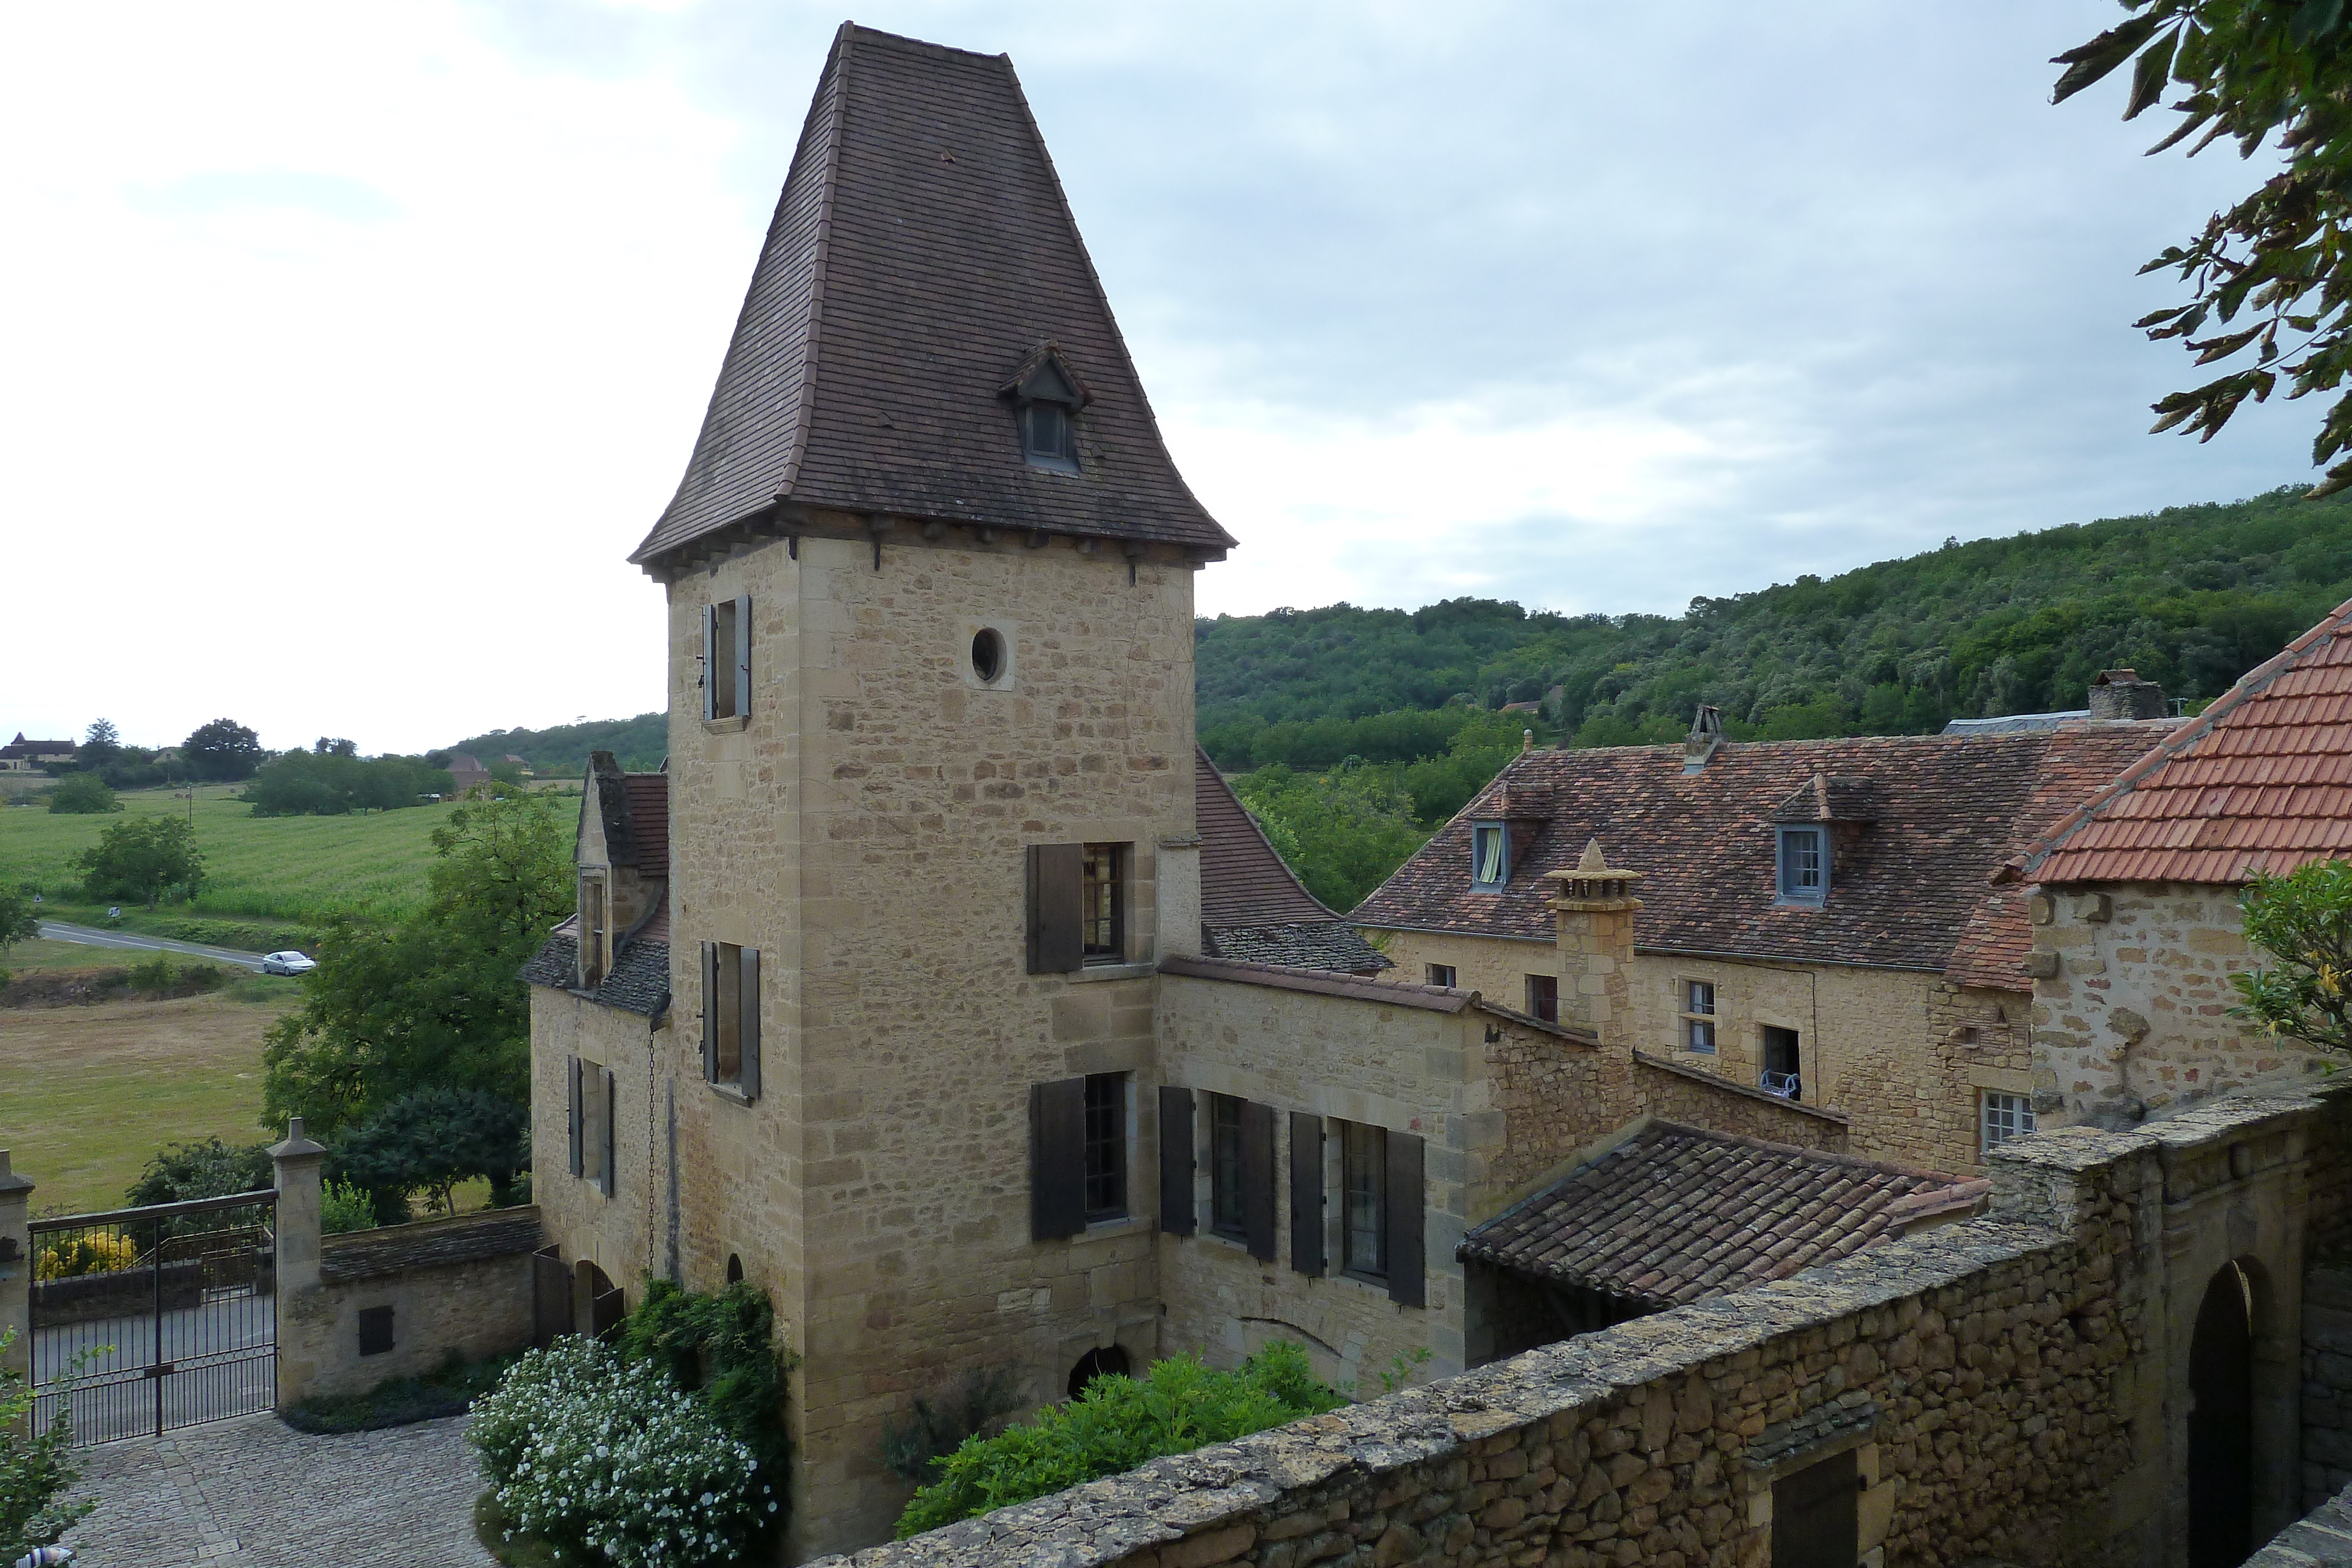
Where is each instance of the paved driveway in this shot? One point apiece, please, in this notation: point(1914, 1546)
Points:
point(255, 1493)
point(91, 936)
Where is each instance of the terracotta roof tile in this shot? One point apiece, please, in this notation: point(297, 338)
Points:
point(2261, 779)
point(1253, 908)
point(1676, 1214)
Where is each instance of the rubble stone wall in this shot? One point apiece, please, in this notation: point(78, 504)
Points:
point(2327, 1381)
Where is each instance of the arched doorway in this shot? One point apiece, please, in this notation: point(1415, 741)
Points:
point(2221, 1423)
point(1108, 1361)
point(596, 1303)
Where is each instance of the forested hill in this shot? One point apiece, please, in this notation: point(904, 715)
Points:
point(2191, 597)
point(639, 743)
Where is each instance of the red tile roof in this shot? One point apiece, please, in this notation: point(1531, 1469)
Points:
point(921, 255)
point(1676, 1214)
point(2262, 779)
point(1920, 823)
point(1243, 881)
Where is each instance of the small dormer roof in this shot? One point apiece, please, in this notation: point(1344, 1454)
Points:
point(1829, 798)
point(1046, 377)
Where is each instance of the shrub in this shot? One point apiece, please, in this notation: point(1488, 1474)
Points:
point(430, 1141)
point(344, 1208)
point(34, 1471)
point(84, 794)
point(594, 1453)
point(722, 1345)
point(1116, 1424)
point(85, 1254)
point(448, 1391)
point(206, 1167)
point(975, 1407)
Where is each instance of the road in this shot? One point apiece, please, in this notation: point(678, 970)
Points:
point(58, 931)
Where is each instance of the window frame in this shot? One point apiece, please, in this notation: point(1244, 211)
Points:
point(730, 1017)
point(1444, 976)
point(1061, 459)
point(1105, 1101)
point(1793, 890)
point(1363, 1170)
point(726, 659)
point(1481, 834)
point(1543, 997)
point(1698, 1022)
point(2019, 1111)
point(1096, 945)
point(594, 901)
point(1228, 1213)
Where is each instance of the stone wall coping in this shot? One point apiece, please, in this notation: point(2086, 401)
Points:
point(2224, 1118)
point(429, 1243)
point(1168, 1499)
point(1732, 1086)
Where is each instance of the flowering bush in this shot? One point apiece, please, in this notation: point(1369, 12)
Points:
point(594, 1454)
point(89, 1254)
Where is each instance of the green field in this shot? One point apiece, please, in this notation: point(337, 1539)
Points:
point(272, 868)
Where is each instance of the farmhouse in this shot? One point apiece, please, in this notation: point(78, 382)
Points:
point(22, 756)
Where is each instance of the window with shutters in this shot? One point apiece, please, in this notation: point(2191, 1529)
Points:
point(1103, 906)
point(1543, 997)
point(726, 659)
point(1363, 1183)
point(730, 1017)
point(595, 942)
point(1106, 1147)
point(1226, 1217)
point(596, 1103)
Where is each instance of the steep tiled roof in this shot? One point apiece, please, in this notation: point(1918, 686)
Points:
point(639, 980)
point(1904, 887)
point(920, 256)
point(1675, 1214)
point(2262, 777)
point(1252, 906)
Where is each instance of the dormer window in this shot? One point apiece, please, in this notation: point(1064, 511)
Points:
point(1804, 865)
point(1046, 397)
point(1490, 855)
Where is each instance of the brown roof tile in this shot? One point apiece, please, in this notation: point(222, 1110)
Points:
point(1675, 1214)
point(921, 255)
point(1920, 823)
point(1253, 908)
point(648, 798)
point(2261, 779)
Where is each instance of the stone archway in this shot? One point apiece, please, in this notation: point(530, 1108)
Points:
point(2222, 1422)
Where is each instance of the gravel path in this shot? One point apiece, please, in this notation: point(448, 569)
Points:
point(255, 1493)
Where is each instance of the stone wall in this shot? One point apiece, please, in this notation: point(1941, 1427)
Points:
point(627, 1232)
point(1674, 1093)
point(2321, 1538)
point(2133, 1019)
point(2327, 1381)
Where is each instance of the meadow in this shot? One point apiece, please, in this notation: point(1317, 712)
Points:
point(265, 868)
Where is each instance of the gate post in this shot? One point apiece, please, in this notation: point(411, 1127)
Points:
point(297, 1161)
point(15, 1269)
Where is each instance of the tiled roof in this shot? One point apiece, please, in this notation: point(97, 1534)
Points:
point(1904, 888)
point(2015, 723)
point(639, 979)
point(922, 253)
point(1311, 945)
point(1362, 988)
point(433, 1243)
point(2262, 779)
point(1675, 1214)
point(1252, 906)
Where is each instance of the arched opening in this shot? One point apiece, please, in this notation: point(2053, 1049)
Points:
point(1106, 1361)
point(2221, 1423)
point(734, 1269)
point(596, 1303)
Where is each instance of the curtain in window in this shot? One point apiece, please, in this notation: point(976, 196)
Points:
point(1490, 854)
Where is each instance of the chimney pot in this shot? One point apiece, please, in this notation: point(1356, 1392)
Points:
point(2122, 695)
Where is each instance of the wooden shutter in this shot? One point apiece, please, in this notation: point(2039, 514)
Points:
point(1306, 1193)
point(1404, 1220)
point(711, 661)
point(711, 1012)
point(612, 1114)
point(1257, 1179)
point(748, 1029)
point(1056, 908)
point(1178, 1215)
point(1057, 1159)
point(744, 655)
point(572, 1078)
point(550, 1296)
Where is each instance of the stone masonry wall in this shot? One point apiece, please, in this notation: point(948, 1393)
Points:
point(475, 1308)
point(1675, 1093)
point(625, 1233)
point(2327, 1381)
point(2134, 1020)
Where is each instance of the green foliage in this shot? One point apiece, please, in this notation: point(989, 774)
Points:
point(84, 794)
point(35, 1472)
point(1116, 1424)
point(206, 1167)
point(562, 752)
point(976, 1406)
point(429, 1141)
point(161, 976)
point(719, 1345)
point(1342, 833)
point(2281, 256)
point(20, 921)
point(140, 859)
point(223, 749)
point(343, 1207)
point(334, 783)
point(448, 1390)
point(2303, 920)
point(396, 1006)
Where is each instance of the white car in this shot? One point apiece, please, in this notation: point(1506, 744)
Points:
point(286, 963)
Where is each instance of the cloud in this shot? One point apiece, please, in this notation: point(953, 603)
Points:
point(223, 191)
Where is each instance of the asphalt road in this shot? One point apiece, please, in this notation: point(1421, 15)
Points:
point(58, 931)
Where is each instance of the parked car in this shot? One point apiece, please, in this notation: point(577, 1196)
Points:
point(288, 963)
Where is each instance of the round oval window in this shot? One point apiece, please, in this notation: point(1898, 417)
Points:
point(988, 654)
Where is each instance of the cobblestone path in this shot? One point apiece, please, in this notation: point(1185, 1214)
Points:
point(255, 1493)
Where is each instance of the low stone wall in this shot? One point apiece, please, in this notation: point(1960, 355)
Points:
point(122, 1292)
point(2327, 1381)
point(1673, 1092)
point(2321, 1538)
point(449, 1287)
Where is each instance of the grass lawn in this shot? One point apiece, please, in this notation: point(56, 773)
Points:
point(92, 1092)
point(65, 956)
point(280, 868)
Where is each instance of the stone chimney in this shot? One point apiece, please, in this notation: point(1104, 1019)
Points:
point(1705, 734)
point(1595, 908)
point(2121, 694)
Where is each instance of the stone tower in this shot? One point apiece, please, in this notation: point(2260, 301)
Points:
point(930, 575)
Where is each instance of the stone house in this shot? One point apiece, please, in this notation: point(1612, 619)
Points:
point(2132, 898)
point(1814, 919)
point(22, 756)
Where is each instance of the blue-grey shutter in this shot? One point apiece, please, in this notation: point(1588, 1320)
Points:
point(611, 1115)
point(571, 1077)
point(748, 1029)
point(1056, 908)
point(743, 653)
point(1178, 1215)
point(1306, 1193)
point(711, 657)
point(1057, 1159)
point(1257, 1179)
point(711, 1012)
point(1402, 1190)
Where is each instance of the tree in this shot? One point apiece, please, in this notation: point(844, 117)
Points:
point(430, 1141)
point(2281, 257)
point(18, 923)
point(34, 1471)
point(223, 749)
point(433, 1000)
point(2303, 920)
point(206, 1167)
point(85, 793)
point(100, 745)
point(140, 859)
point(1343, 832)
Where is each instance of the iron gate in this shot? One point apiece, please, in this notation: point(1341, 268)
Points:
point(145, 1320)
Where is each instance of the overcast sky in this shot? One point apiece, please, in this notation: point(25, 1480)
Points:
point(348, 350)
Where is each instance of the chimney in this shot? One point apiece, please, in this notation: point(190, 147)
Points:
point(2122, 695)
point(1595, 908)
point(1705, 734)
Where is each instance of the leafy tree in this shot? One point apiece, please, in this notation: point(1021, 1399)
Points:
point(223, 749)
point(328, 747)
point(2304, 921)
point(35, 1472)
point(203, 1167)
point(1342, 833)
point(100, 743)
point(432, 999)
point(140, 859)
point(430, 1141)
point(19, 922)
point(331, 783)
point(2280, 257)
point(84, 794)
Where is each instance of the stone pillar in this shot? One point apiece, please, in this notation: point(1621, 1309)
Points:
point(1177, 889)
point(15, 1269)
point(1595, 907)
point(300, 1330)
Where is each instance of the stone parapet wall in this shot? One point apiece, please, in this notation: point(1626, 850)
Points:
point(2327, 1381)
point(1673, 1093)
point(2321, 1538)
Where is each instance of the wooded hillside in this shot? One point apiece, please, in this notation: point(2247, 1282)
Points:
point(639, 743)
